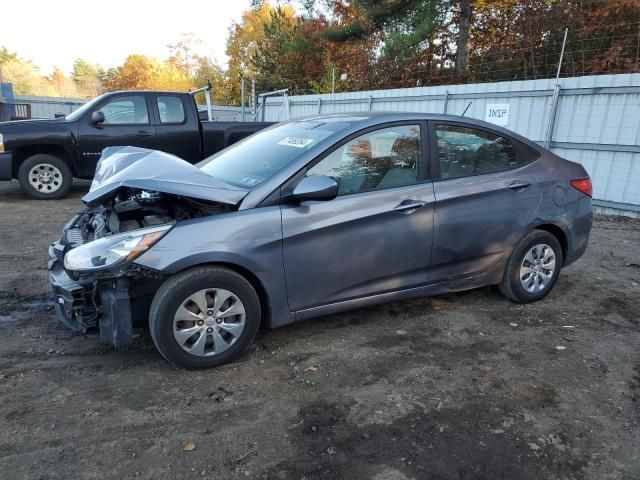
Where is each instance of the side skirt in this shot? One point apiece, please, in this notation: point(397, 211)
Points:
point(484, 279)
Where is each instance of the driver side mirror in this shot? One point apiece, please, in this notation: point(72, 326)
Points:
point(97, 118)
point(316, 187)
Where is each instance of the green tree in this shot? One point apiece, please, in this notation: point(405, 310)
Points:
point(105, 75)
point(410, 27)
point(86, 77)
point(277, 56)
point(205, 71)
point(7, 55)
point(244, 38)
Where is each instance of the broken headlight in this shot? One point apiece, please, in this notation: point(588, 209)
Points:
point(114, 250)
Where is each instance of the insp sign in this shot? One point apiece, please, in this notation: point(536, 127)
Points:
point(497, 113)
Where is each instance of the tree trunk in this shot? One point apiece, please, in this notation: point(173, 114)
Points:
point(462, 43)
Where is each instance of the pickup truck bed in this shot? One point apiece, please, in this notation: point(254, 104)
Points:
point(219, 135)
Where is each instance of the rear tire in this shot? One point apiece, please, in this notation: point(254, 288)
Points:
point(204, 317)
point(45, 177)
point(533, 268)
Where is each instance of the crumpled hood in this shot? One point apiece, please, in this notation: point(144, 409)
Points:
point(156, 171)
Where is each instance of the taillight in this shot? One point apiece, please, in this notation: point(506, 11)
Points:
point(583, 185)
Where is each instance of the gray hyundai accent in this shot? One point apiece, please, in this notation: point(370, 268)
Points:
point(311, 217)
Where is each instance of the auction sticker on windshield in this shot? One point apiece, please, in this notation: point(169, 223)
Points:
point(298, 142)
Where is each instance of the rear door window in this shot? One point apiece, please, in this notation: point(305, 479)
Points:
point(465, 151)
point(170, 109)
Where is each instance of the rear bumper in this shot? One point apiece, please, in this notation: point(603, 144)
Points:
point(6, 166)
point(579, 232)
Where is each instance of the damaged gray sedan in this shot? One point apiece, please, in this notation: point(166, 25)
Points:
point(312, 217)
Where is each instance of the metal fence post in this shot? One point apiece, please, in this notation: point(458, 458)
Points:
point(564, 45)
point(370, 101)
point(242, 99)
point(288, 103)
point(333, 89)
point(446, 101)
point(551, 122)
point(253, 99)
point(319, 105)
point(548, 137)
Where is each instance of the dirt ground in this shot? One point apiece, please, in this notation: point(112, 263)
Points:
point(465, 386)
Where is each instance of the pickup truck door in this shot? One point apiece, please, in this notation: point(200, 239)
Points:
point(177, 126)
point(127, 122)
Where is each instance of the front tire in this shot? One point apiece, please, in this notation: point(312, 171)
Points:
point(533, 268)
point(204, 317)
point(45, 177)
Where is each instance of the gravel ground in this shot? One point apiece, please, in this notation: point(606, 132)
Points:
point(465, 386)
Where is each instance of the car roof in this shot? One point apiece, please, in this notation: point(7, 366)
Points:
point(382, 117)
point(161, 92)
point(360, 120)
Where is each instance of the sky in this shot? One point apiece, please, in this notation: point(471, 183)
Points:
point(56, 32)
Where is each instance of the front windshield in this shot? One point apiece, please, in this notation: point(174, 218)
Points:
point(249, 163)
point(76, 114)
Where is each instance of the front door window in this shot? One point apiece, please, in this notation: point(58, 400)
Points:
point(385, 158)
point(130, 110)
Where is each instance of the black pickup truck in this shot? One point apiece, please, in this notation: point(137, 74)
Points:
point(45, 155)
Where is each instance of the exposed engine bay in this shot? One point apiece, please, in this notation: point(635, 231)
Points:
point(131, 209)
point(111, 301)
point(133, 189)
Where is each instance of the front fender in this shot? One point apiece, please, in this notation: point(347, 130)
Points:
point(214, 257)
point(27, 138)
point(249, 239)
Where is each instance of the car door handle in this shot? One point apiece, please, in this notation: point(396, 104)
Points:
point(519, 185)
point(409, 206)
point(144, 133)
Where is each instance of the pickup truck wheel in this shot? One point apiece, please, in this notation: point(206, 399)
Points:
point(45, 177)
point(204, 317)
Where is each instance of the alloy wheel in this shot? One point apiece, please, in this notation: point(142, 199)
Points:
point(208, 322)
point(537, 268)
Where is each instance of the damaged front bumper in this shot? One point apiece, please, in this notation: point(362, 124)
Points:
point(109, 301)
